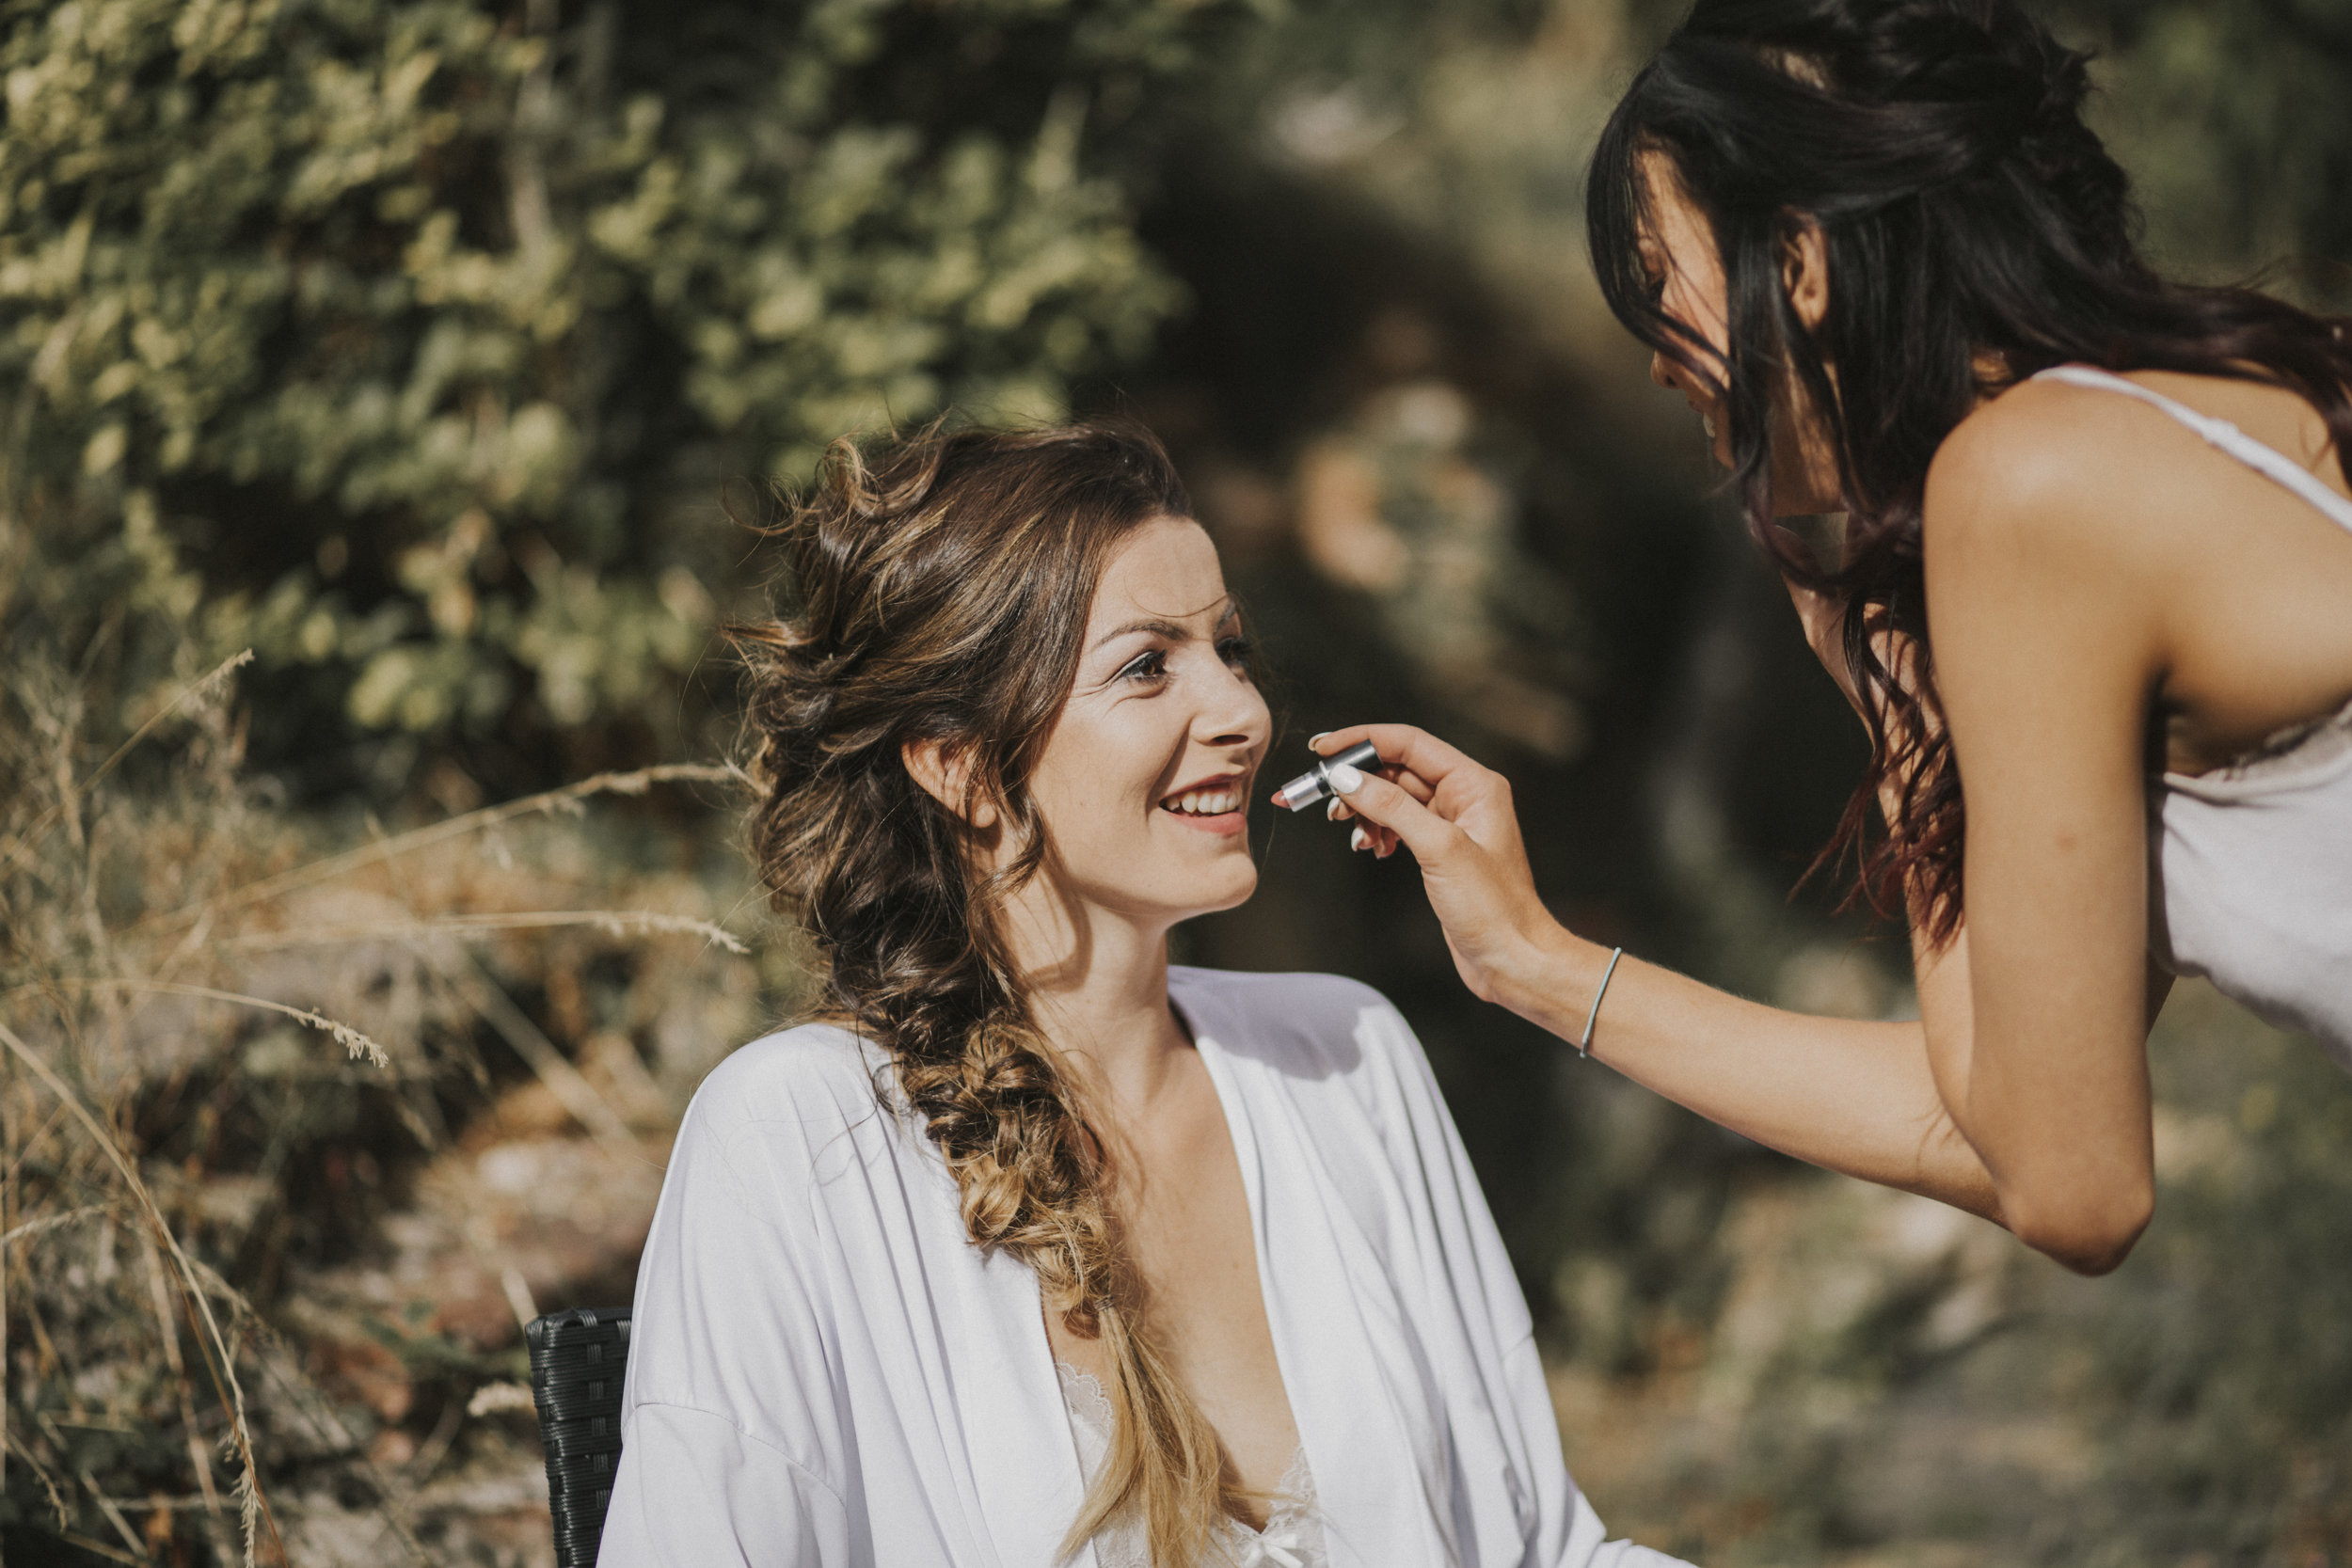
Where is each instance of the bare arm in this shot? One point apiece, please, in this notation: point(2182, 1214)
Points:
point(2023, 1094)
point(2046, 689)
point(2073, 748)
point(1853, 1096)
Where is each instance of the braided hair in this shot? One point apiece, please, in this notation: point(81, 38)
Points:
point(1975, 232)
point(939, 589)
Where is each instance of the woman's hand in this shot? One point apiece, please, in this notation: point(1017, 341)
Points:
point(1457, 819)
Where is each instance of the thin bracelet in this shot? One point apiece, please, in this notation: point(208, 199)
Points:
point(1615, 954)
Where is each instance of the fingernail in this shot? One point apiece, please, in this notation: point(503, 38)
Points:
point(1346, 780)
point(1331, 810)
point(1359, 839)
point(1315, 740)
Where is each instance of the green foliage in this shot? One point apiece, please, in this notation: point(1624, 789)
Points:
point(2235, 120)
point(410, 343)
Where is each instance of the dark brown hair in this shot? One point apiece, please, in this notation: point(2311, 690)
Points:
point(1970, 219)
point(939, 590)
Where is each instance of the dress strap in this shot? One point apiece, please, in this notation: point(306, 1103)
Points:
point(2265, 459)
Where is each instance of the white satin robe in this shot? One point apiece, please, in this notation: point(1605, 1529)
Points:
point(826, 1371)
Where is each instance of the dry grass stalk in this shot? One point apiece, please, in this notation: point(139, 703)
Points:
point(351, 1040)
point(253, 1510)
point(571, 796)
point(196, 692)
point(134, 907)
point(612, 922)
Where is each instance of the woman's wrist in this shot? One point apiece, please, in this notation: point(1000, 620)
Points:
point(1552, 978)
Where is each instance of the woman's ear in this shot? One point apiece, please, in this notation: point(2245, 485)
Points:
point(1804, 274)
point(946, 775)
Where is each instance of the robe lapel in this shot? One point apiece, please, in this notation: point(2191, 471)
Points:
point(1351, 1371)
point(1015, 1430)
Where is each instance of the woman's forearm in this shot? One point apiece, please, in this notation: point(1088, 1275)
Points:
point(1853, 1096)
point(1856, 1098)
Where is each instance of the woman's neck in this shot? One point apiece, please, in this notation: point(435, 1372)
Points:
point(1097, 987)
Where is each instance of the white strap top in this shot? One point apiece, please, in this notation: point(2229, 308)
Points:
point(2252, 864)
point(1293, 1537)
point(2266, 460)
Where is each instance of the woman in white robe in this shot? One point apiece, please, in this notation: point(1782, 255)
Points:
point(826, 1368)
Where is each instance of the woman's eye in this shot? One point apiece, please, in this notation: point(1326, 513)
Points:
point(1235, 649)
point(1146, 667)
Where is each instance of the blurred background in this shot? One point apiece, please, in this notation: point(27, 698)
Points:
point(439, 352)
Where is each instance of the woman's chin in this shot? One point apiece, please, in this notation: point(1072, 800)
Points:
point(1206, 893)
point(1245, 884)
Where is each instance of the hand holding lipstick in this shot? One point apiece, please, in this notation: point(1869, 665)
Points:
point(1332, 776)
point(1458, 820)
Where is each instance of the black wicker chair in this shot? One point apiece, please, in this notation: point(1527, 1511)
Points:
point(577, 1359)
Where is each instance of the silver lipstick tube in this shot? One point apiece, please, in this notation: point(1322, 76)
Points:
point(1315, 783)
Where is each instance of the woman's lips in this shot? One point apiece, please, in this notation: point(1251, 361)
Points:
point(1226, 822)
point(1218, 806)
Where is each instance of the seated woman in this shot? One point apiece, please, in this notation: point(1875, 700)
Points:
point(1035, 1249)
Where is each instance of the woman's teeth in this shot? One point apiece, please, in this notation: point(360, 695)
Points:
point(1709, 422)
point(1203, 802)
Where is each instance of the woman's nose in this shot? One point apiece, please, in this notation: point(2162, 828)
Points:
point(1235, 716)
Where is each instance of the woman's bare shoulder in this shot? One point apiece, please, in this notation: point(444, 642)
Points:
point(2042, 453)
point(2071, 485)
point(2092, 464)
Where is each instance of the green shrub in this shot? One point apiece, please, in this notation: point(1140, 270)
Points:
point(409, 344)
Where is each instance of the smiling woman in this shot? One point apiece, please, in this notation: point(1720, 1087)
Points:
point(1028, 1249)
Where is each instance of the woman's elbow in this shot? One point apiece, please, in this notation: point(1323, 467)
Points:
point(2089, 1230)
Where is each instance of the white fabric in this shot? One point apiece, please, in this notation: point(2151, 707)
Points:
point(1292, 1536)
point(2252, 864)
point(825, 1371)
point(2252, 884)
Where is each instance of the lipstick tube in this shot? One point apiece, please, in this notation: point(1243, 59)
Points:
point(1315, 783)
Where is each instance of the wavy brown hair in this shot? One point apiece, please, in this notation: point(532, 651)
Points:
point(1971, 220)
point(938, 588)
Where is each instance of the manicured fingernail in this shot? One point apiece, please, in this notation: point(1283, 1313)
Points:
point(1346, 780)
point(1315, 740)
point(1386, 851)
point(1332, 812)
point(1359, 839)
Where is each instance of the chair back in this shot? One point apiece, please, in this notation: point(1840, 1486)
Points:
point(578, 1359)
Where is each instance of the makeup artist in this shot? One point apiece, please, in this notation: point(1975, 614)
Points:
point(2094, 606)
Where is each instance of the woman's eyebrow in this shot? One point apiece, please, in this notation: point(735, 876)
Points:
point(1175, 631)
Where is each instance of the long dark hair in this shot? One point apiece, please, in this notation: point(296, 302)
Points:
point(1976, 233)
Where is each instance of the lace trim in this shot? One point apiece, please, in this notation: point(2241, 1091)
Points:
point(1293, 1537)
point(1088, 1400)
point(2295, 757)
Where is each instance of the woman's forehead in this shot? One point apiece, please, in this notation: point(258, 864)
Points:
point(1670, 220)
point(1165, 570)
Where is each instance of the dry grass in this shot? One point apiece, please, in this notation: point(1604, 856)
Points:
point(189, 1192)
